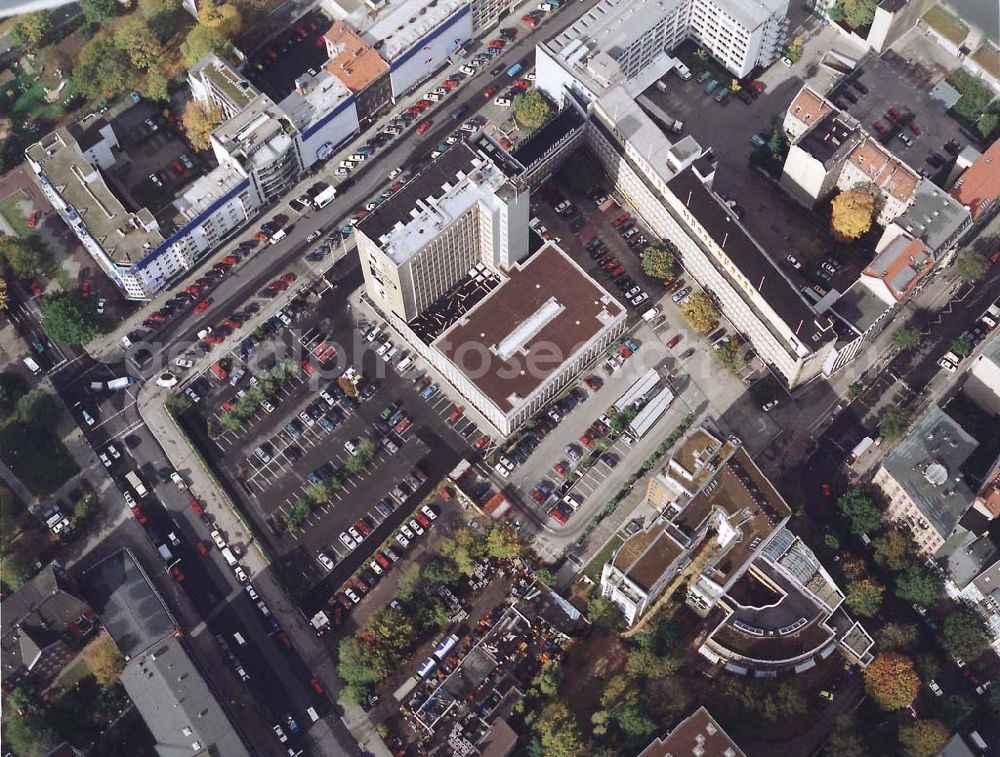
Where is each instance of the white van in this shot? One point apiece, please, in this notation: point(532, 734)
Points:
point(31, 365)
point(405, 364)
point(313, 715)
point(239, 639)
point(467, 70)
point(650, 314)
point(230, 558)
point(433, 97)
point(278, 236)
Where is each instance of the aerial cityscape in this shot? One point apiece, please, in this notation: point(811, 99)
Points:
point(480, 377)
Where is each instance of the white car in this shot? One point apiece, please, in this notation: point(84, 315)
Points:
point(325, 561)
point(327, 398)
point(947, 365)
point(768, 406)
point(416, 527)
point(219, 541)
point(394, 173)
point(349, 446)
point(113, 452)
point(127, 496)
point(306, 418)
point(428, 512)
point(355, 534)
point(793, 262)
point(352, 596)
point(376, 568)
point(347, 541)
point(403, 541)
point(499, 468)
point(933, 686)
point(104, 459)
point(241, 575)
point(183, 362)
point(280, 733)
point(204, 332)
point(406, 532)
point(268, 407)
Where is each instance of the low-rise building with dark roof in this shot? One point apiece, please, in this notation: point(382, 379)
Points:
point(698, 735)
point(935, 218)
point(922, 481)
point(43, 626)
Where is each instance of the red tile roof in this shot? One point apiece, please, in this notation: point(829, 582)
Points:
point(979, 186)
point(698, 735)
point(352, 60)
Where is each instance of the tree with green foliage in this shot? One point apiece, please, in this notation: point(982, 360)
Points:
point(85, 508)
point(894, 423)
point(440, 570)
point(964, 636)
point(729, 355)
point(69, 319)
point(97, 11)
point(894, 550)
point(298, 513)
point(548, 679)
point(962, 346)
point(865, 597)
point(503, 541)
point(904, 338)
point(891, 681)
point(354, 465)
point(177, 403)
point(22, 258)
point(366, 449)
point(699, 312)
point(531, 109)
point(992, 701)
point(225, 17)
point(917, 584)
point(230, 423)
point(39, 408)
point(970, 266)
point(104, 70)
point(559, 731)
point(604, 613)
point(777, 144)
point(138, 41)
point(855, 390)
point(923, 738)
point(857, 13)
point(409, 582)
point(201, 41)
point(897, 636)
point(30, 28)
point(846, 741)
point(958, 710)
point(545, 576)
point(464, 548)
point(860, 510)
point(354, 662)
point(392, 634)
point(976, 95)
point(658, 262)
point(156, 88)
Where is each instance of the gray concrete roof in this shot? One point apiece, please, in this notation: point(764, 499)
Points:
point(180, 710)
point(935, 447)
point(934, 216)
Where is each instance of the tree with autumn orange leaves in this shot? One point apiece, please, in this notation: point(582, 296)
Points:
point(891, 681)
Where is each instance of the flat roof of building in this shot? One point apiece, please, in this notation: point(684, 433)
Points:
point(177, 703)
point(828, 137)
point(860, 306)
point(257, 134)
point(352, 60)
point(440, 193)
point(397, 29)
point(926, 463)
point(698, 734)
point(645, 556)
point(781, 295)
point(315, 96)
point(122, 232)
point(979, 186)
point(526, 328)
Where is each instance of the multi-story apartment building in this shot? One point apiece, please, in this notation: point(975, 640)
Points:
point(768, 602)
point(618, 39)
point(923, 483)
point(140, 251)
point(447, 260)
point(360, 68)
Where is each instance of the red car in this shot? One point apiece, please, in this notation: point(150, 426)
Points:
point(826, 491)
point(179, 167)
point(277, 286)
point(382, 560)
point(586, 441)
point(36, 290)
point(308, 367)
point(623, 218)
point(912, 126)
point(85, 289)
point(495, 44)
point(261, 236)
point(593, 383)
point(880, 128)
point(33, 219)
point(560, 469)
point(423, 126)
point(176, 573)
point(363, 527)
point(490, 91)
point(289, 277)
point(317, 687)
point(202, 548)
point(505, 143)
point(529, 21)
point(449, 83)
point(677, 284)
point(227, 407)
point(213, 339)
point(283, 638)
point(140, 515)
point(229, 260)
point(758, 86)
point(280, 220)
point(537, 496)
point(456, 414)
point(196, 507)
point(202, 306)
point(481, 442)
point(422, 520)
point(232, 323)
point(522, 84)
point(558, 515)
point(194, 290)
point(674, 342)
point(413, 110)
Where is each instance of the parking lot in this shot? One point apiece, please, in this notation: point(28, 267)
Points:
point(275, 66)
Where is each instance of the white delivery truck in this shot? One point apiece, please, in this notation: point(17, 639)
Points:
point(325, 197)
point(31, 365)
point(119, 383)
point(230, 558)
point(133, 478)
point(862, 447)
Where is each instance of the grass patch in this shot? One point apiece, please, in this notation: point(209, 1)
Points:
point(593, 569)
point(36, 456)
point(75, 672)
point(10, 210)
point(947, 25)
point(988, 57)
